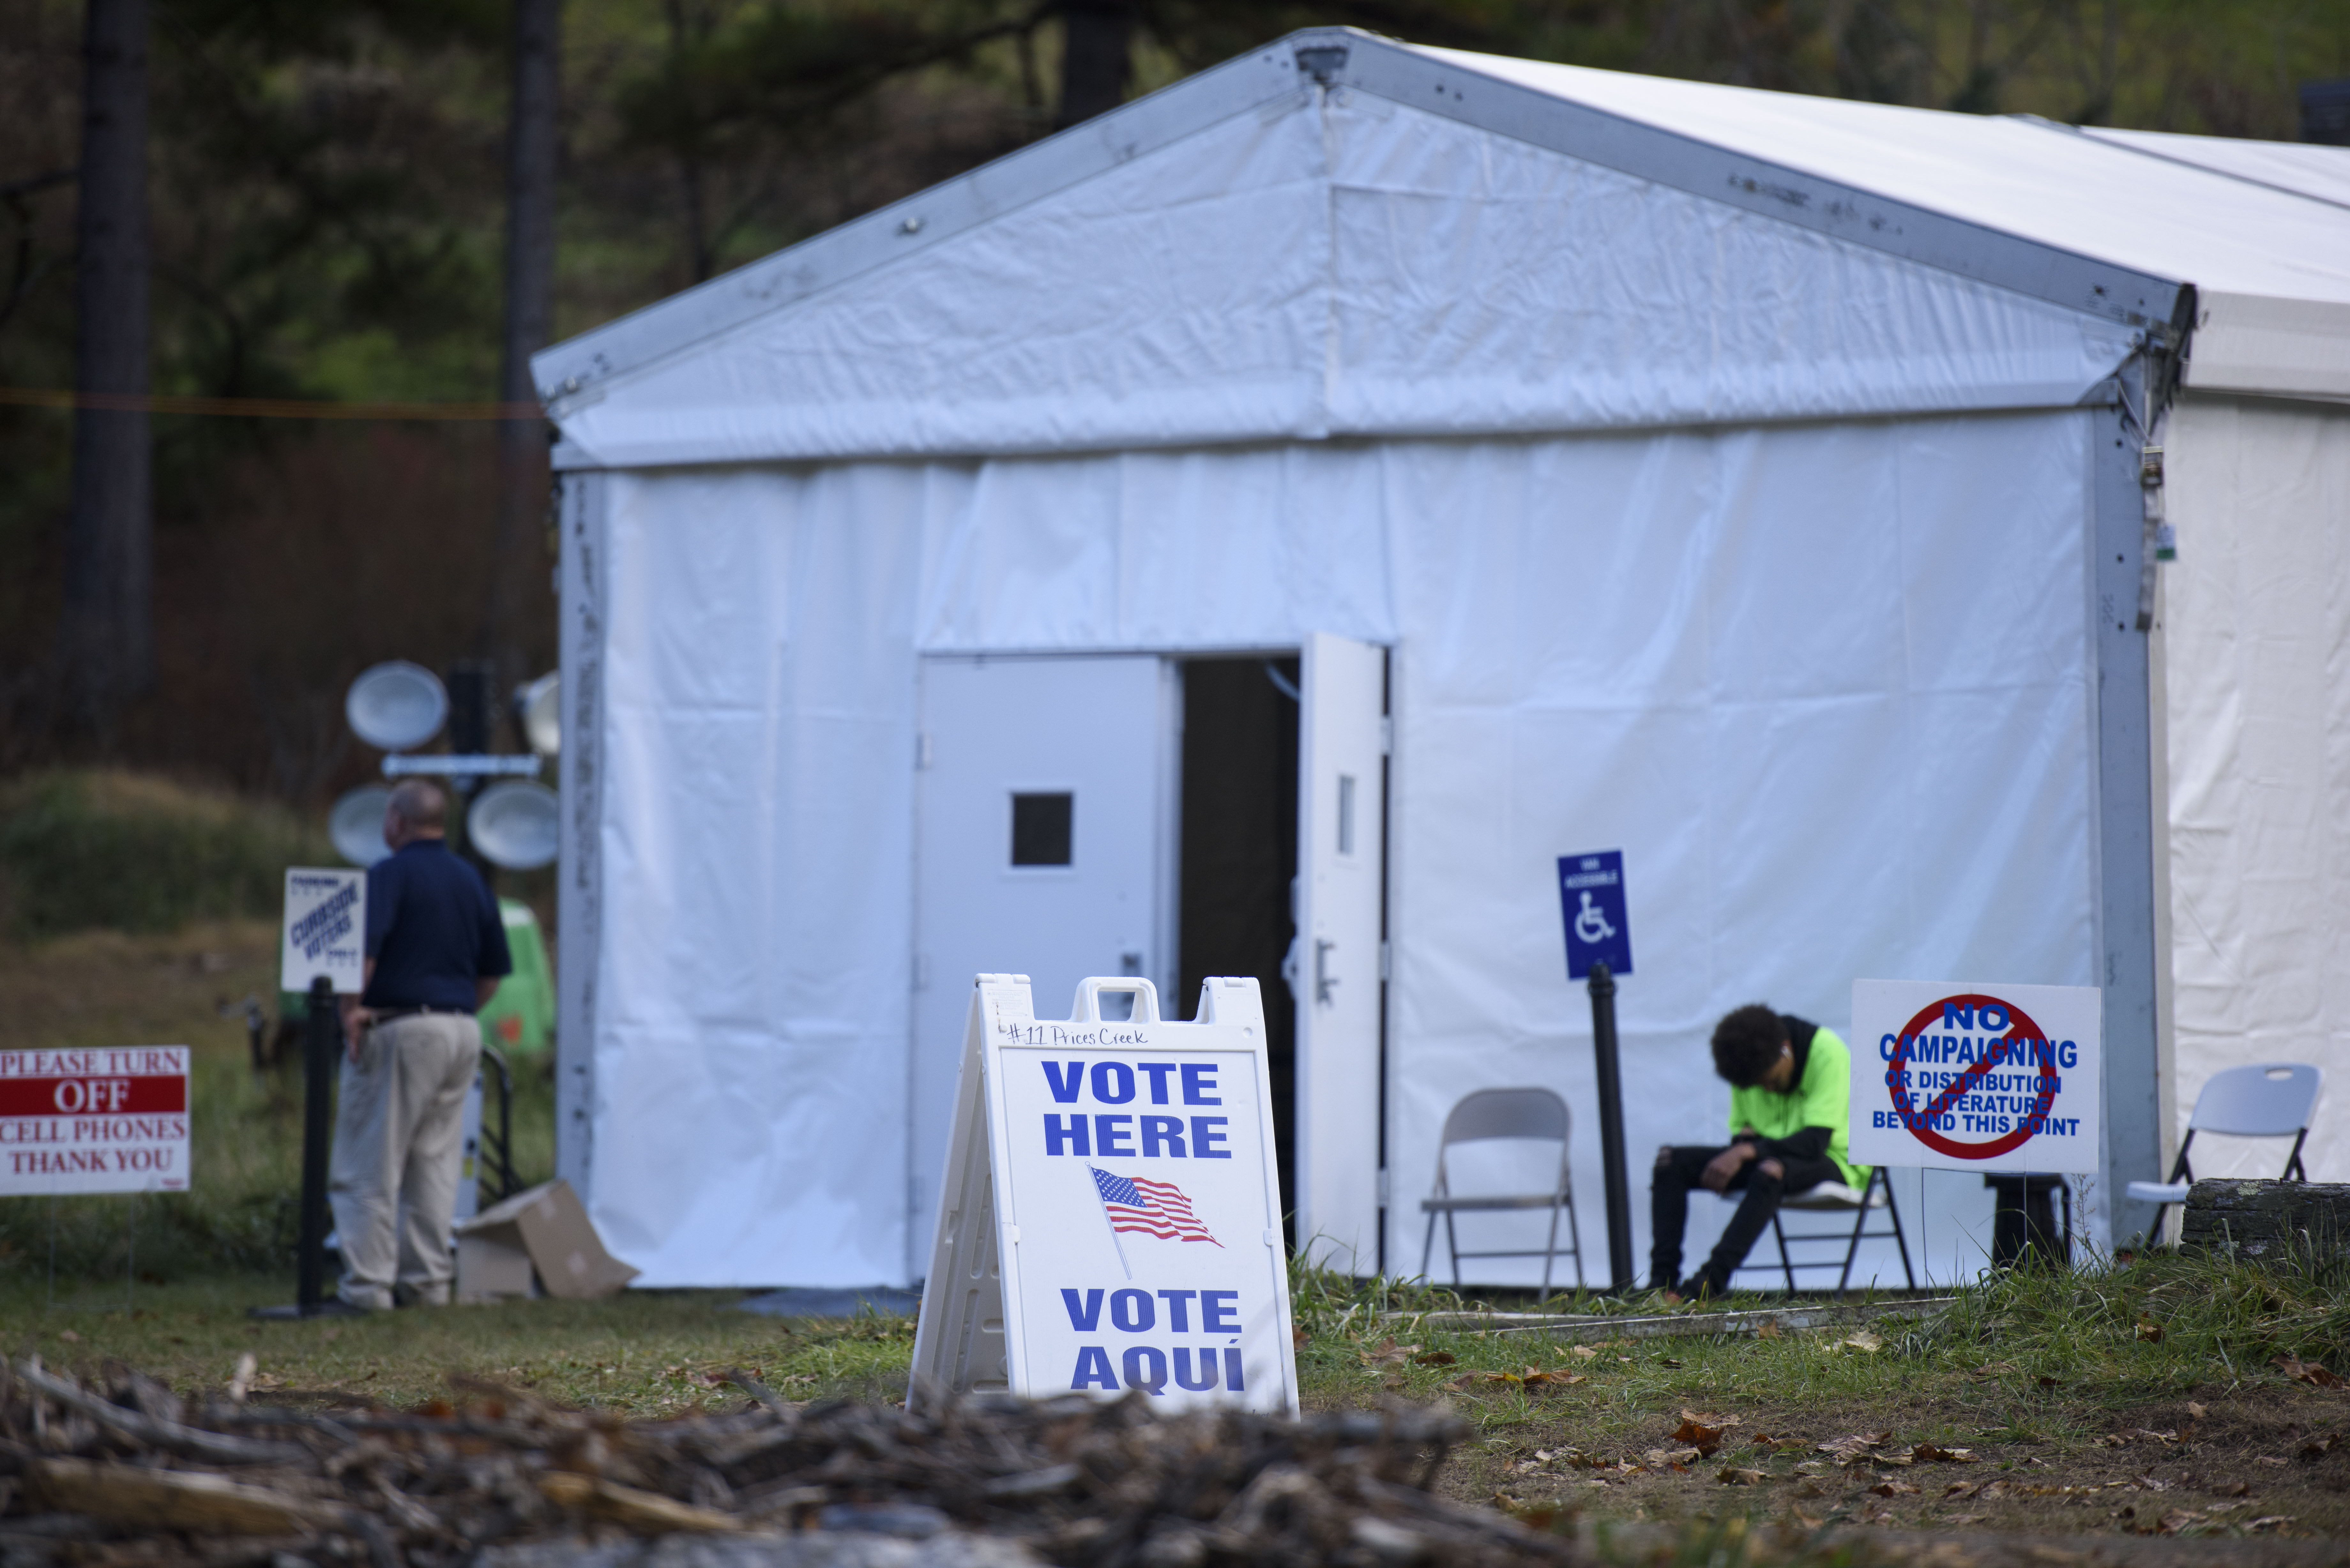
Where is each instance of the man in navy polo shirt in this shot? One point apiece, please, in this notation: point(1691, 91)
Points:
point(436, 950)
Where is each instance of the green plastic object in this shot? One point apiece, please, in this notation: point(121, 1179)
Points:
point(520, 1019)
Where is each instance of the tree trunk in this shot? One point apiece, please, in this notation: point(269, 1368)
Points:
point(1096, 52)
point(531, 159)
point(107, 635)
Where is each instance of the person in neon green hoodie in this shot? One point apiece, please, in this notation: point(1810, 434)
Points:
point(1789, 1088)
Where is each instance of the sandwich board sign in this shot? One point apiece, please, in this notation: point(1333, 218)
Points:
point(1110, 1219)
point(1961, 1077)
point(326, 930)
point(109, 1119)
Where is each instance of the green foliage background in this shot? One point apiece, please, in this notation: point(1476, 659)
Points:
point(329, 206)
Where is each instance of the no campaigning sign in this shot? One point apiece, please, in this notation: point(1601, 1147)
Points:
point(107, 1120)
point(1963, 1076)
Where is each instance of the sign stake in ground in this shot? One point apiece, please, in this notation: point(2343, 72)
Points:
point(1598, 949)
point(1110, 1217)
point(1963, 1076)
point(324, 953)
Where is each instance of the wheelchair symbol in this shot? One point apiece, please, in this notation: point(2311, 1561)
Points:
point(1591, 926)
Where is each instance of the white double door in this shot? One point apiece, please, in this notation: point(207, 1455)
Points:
point(1049, 828)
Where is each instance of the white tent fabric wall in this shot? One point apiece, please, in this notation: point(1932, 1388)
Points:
point(1647, 478)
point(1826, 685)
point(2257, 632)
point(1269, 278)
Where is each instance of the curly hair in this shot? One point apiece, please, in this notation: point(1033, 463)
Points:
point(1746, 1043)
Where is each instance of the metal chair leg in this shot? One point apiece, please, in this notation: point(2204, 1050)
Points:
point(1452, 1244)
point(1574, 1233)
point(1550, 1249)
point(1428, 1245)
point(1859, 1223)
point(1786, 1264)
point(1900, 1238)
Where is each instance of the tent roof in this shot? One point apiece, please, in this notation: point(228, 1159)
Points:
point(2126, 228)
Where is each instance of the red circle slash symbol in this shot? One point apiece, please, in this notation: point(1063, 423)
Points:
point(1920, 1122)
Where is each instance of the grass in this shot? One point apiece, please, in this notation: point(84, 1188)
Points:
point(108, 988)
point(2035, 1372)
point(131, 852)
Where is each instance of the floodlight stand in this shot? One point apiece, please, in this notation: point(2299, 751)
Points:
point(321, 1038)
point(1611, 1129)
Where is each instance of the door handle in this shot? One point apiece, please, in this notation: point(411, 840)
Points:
point(1325, 983)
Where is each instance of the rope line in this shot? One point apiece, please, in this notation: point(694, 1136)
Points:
point(261, 408)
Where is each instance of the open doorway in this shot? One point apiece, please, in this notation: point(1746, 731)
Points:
point(1239, 839)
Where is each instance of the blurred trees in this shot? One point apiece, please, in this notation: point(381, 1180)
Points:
point(328, 186)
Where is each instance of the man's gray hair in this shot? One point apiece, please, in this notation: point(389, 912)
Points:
point(420, 802)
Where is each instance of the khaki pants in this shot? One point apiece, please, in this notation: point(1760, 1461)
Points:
point(399, 1142)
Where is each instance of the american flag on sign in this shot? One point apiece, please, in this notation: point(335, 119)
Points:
point(1153, 1208)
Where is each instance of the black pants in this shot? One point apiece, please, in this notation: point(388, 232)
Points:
point(2024, 1221)
point(1682, 1169)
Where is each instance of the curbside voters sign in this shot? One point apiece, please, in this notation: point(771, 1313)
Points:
point(109, 1119)
point(1109, 1218)
point(1976, 1077)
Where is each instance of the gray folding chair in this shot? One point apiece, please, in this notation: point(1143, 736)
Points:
point(1491, 1113)
point(1835, 1197)
point(2271, 1099)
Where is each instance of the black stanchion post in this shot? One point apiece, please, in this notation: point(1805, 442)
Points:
point(320, 1042)
point(1611, 1127)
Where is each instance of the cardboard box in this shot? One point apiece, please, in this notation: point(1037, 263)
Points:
point(549, 1226)
point(490, 1271)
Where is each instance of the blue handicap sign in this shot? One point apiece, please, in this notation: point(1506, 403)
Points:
point(1591, 897)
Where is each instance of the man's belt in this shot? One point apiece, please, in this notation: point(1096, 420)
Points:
point(393, 1014)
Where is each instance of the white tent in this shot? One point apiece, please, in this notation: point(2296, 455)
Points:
point(1747, 481)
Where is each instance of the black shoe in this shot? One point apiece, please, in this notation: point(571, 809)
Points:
point(336, 1307)
point(1698, 1288)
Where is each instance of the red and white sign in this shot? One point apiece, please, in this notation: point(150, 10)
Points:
point(1965, 1076)
point(111, 1119)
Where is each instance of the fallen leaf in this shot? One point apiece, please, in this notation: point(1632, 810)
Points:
point(1771, 1445)
point(1993, 1368)
point(2177, 1520)
point(1863, 1340)
point(1810, 1487)
point(2234, 1489)
point(1797, 1517)
point(1583, 1353)
point(2271, 1522)
point(1389, 1353)
point(1889, 1488)
point(1536, 1379)
point(2307, 1372)
point(2048, 1382)
point(2150, 1332)
point(1961, 1488)
point(1994, 1489)
point(1711, 1420)
point(1732, 1476)
point(1297, 1337)
point(2318, 1447)
point(1435, 1359)
point(2265, 1459)
point(1705, 1439)
point(2196, 1412)
point(1670, 1458)
point(70, 1336)
point(1769, 1329)
point(1934, 1453)
point(1667, 1361)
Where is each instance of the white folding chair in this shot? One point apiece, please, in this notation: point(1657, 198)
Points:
point(1836, 1198)
point(2271, 1099)
point(1491, 1113)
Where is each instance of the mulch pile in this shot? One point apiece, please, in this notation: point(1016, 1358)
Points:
point(124, 1473)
